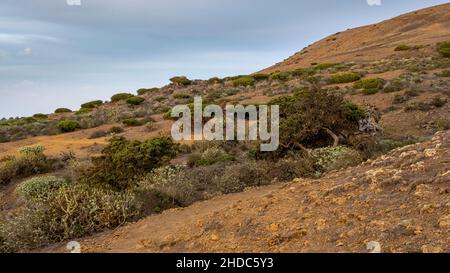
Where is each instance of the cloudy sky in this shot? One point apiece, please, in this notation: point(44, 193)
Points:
point(57, 55)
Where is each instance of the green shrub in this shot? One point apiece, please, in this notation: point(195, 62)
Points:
point(438, 102)
point(400, 99)
point(209, 157)
point(39, 188)
point(335, 158)
point(181, 96)
point(40, 116)
point(417, 106)
point(121, 96)
point(445, 73)
point(83, 111)
point(135, 100)
point(30, 161)
point(444, 49)
point(133, 122)
point(160, 98)
point(244, 81)
point(238, 177)
point(115, 130)
point(261, 77)
point(66, 126)
point(344, 78)
point(144, 91)
point(215, 80)
point(67, 213)
point(371, 91)
point(375, 83)
point(62, 110)
point(402, 48)
point(123, 161)
point(92, 104)
point(353, 111)
point(279, 76)
point(181, 81)
point(324, 66)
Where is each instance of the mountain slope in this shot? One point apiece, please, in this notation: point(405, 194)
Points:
point(374, 42)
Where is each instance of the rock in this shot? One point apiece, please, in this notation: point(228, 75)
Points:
point(444, 222)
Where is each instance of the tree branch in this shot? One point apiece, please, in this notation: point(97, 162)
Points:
point(333, 135)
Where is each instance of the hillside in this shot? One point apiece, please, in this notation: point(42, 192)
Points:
point(365, 142)
point(400, 200)
point(375, 42)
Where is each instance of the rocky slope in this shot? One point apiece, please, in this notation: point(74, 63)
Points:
point(401, 200)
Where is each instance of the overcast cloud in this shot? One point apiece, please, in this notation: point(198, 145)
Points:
point(55, 55)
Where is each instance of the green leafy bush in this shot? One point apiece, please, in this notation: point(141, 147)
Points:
point(214, 80)
point(38, 188)
point(160, 98)
point(375, 83)
point(83, 111)
point(344, 78)
point(210, 156)
point(30, 161)
point(402, 48)
point(371, 91)
point(123, 161)
point(324, 66)
point(115, 130)
point(133, 122)
point(279, 76)
point(438, 102)
point(135, 100)
point(91, 104)
point(40, 116)
point(66, 126)
point(121, 96)
point(444, 49)
point(444, 73)
point(62, 110)
point(244, 81)
point(181, 81)
point(144, 91)
point(353, 111)
point(261, 77)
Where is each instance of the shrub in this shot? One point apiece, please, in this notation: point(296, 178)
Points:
point(438, 102)
point(67, 213)
point(400, 99)
point(324, 66)
point(121, 96)
point(160, 98)
point(402, 48)
point(375, 83)
point(40, 116)
point(122, 161)
point(280, 76)
point(444, 49)
point(66, 126)
point(238, 177)
point(38, 188)
point(215, 80)
point(143, 91)
point(244, 81)
point(417, 106)
point(181, 96)
point(211, 156)
point(394, 86)
point(344, 78)
point(261, 77)
point(83, 111)
point(115, 130)
point(370, 91)
point(135, 100)
point(353, 111)
point(181, 81)
point(91, 104)
point(30, 161)
point(62, 110)
point(97, 134)
point(335, 158)
point(133, 122)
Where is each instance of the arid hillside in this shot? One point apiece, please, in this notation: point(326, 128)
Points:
point(375, 42)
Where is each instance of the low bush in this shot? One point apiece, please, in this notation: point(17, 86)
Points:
point(121, 96)
point(123, 161)
point(444, 73)
point(324, 66)
point(40, 116)
point(244, 81)
point(400, 99)
point(279, 76)
point(91, 104)
point(444, 49)
point(371, 91)
point(209, 157)
point(344, 78)
point(261, 77)
point(83, 111)
point(417, 106)
point(438, 102)
point(394, 86)
point(160, 98)
point(135, 100)
point(335, 158)
point(133, 122)
point(353, 111)
point(39, 188)
point(66, 126)
point(98, 134)
point(375, 83)
point(181, 81)
point(115, 130)
point(402, 48)
point(62, 110)
point(144, 91)
point(215, 80)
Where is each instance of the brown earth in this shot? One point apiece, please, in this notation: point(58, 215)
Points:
point(375, 42)
point(401, 200)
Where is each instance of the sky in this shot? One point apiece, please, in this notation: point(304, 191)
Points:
point(55, 53)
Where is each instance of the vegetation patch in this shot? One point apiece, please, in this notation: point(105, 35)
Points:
point(244, 81)
point(181, 81)
point(66, 126)
point(121, 96)
point(135, 100)
point(144, 91)
point(62, 110)
point(344, 78)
